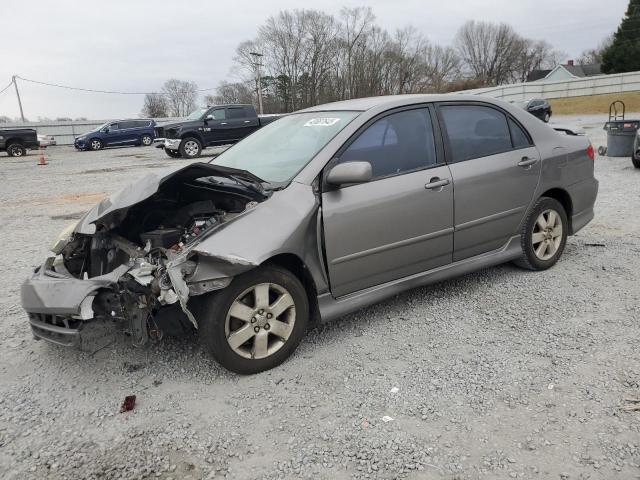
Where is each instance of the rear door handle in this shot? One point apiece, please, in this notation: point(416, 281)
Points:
point(223, 123)
point(527, 162)
point(436, 183)
point(247, 121)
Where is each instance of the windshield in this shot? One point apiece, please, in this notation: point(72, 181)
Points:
point(197, 114)
point(100, 127)
point(277, 152)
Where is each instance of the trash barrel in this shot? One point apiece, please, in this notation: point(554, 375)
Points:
point(620, 137)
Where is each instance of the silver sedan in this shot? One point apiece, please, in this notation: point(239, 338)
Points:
point(320, 213)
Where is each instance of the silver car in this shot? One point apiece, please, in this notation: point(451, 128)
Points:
point(318, 214)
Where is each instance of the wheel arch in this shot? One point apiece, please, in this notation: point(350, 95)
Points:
point(13, 140)
point(195, 135)
point(294, 264)
point(562, 196)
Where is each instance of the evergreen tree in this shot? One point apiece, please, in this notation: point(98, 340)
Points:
point(623, 55)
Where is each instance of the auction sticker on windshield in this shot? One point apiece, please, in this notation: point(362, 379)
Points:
point(321, 122)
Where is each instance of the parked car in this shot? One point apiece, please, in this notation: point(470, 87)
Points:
point(538, 107)
point(116, 134)
point(210, 126)
point(635, 156)
point(16, 141)
point(46, 140)
point(318, 214)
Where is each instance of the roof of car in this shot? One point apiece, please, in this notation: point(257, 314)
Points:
point(362, 104)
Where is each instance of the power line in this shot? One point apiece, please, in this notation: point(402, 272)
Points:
point(7, 87)
point(91, 90)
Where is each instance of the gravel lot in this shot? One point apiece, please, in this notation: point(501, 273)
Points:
point(499, 374)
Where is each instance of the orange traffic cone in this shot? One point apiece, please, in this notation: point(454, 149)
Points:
point(43, 160)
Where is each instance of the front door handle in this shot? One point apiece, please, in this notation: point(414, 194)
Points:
point(527, 162)
point(436, 183)
point(223, 123)
point(247, 121)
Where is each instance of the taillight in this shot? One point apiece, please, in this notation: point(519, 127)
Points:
point(590, 152)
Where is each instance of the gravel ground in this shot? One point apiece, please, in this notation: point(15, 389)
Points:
point(499, 374)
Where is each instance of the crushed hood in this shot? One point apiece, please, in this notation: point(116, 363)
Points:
point(148, 185)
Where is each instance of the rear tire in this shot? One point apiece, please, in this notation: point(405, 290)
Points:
point(190, 148)
point(635, 159)
point(146, 140)
point(255, 323)
point(544, 235)
point(547, 117)
point(16, 150)
point(172, 153)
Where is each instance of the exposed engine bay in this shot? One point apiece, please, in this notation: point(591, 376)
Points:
point(148, 245)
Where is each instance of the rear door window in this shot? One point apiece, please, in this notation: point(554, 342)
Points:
point(395, 144)
point(235, 113)
point(475, 131)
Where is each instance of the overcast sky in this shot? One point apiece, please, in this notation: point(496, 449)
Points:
point(135, 45)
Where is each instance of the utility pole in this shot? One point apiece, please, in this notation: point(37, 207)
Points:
point(15, 84)
point(257, 65)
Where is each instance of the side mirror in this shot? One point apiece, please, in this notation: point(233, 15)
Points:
point(105, 130)
point(209, 117)
point(350, 172)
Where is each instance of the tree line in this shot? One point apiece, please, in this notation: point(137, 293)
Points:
point(309, 57)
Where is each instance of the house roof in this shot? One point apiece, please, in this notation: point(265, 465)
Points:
point(537, 75)
point(580, 70)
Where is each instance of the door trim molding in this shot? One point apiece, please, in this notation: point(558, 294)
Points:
point(391, 246)
point(489, 218)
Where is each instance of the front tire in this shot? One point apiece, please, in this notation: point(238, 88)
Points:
point(255, 323)
point(544, 235)
point(95, 144)
point(635, 159)
point(547, 117)
point(16, 150)
point(190, 148)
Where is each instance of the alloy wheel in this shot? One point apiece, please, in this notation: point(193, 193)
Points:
point(260, 321)
point(547, 234)
point(146, 140)
point(16, 151)
point(191, 148)
point(96, 144)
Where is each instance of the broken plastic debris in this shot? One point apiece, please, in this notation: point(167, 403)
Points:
point(128, 404)
point(550, 386)
point(394, 390)
point(387, 419)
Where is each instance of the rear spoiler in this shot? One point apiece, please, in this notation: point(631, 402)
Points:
point(568, 129)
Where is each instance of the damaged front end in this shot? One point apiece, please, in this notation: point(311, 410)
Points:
point(134, 258)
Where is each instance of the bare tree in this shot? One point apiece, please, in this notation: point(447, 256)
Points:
point(181, 96)
point(4, 119)
point(155, 106)
point(226, 92)
point(594, 55)
point(442, 65)
point(489, 50)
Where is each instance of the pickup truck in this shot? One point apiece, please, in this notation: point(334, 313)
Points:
point(16, 141)
point(207, 127)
